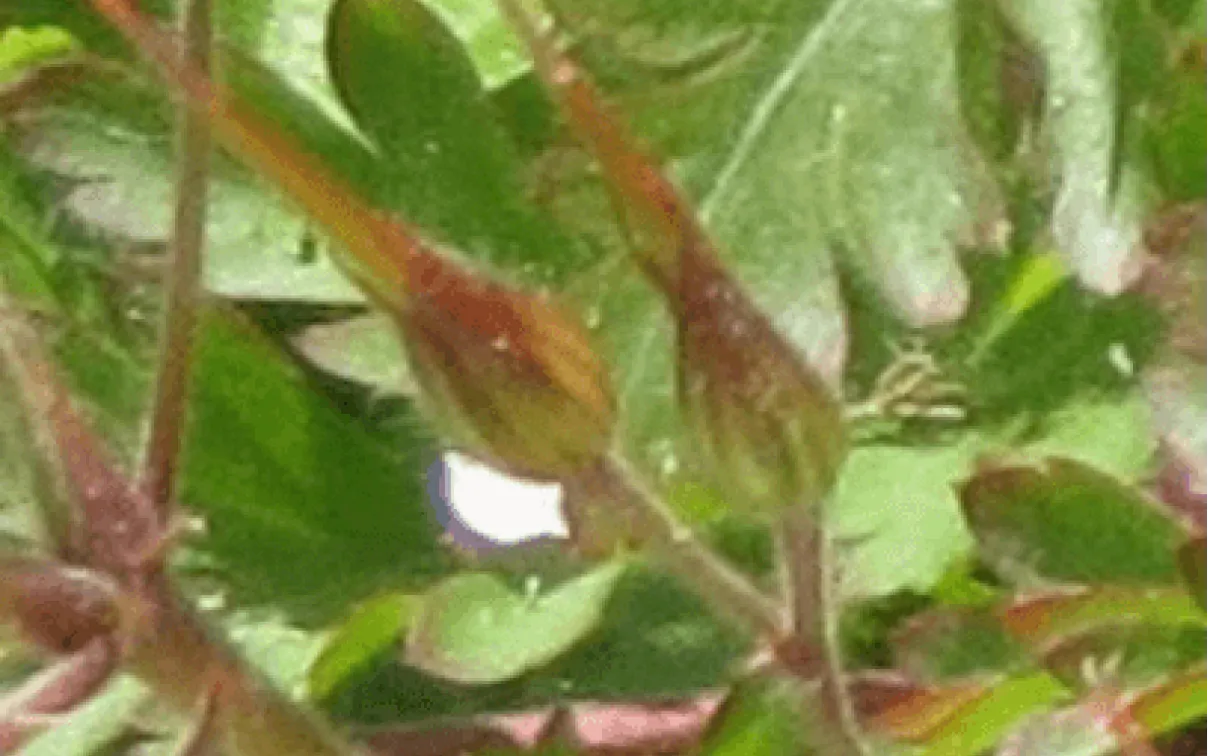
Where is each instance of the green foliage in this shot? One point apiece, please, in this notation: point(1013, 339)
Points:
point(472, 629)
point(845, 155)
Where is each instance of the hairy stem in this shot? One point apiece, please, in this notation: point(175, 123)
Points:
point(810, 586)
point(170, 650)
point(55, 690)
point(184, 272)
point(612, 484)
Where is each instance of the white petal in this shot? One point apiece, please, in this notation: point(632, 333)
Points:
point(498, 507)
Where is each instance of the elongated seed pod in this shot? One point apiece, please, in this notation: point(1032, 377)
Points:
point(767, 422)
point(506, 370)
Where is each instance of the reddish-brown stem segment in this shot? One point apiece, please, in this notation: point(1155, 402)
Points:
point(630, 172)
point(57, 689)
point(807, 552)
point(184, 273)
point(382, 246)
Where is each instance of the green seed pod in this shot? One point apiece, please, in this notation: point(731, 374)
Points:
point(506, 372)
point(769, 426)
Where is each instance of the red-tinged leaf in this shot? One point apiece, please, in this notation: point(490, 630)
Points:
point(491, 736)
point(1046, 619)
point(1193, 567)
point(1109, 712)
point(1173, 703)
point(582, 728)
point(873, 691)
point(1060, 520)
point(656, 727)
point(912, 712)
point(986, 720)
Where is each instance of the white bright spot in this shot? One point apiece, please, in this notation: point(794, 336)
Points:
point(1120, 359)
point(495, 507)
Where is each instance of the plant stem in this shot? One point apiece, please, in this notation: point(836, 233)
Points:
point(184, 272)
point(612, 484)
point(174, 655)
point(810, 585)
point(58, 688)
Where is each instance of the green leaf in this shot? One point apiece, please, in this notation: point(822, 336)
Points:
point(655, 641)
point(1061, 520)
point(273, 646)
point(26, 255)
point(1137, 656)
point(1174, 702)
point(365, 349)
point(1046, 619)
point(307, 507)
point(998, 76)
point(23, 511)
point(777, 120)
point(758, 720)
point(898, 505)
point(497, 54)
point(76, 18)
point(942, 645)
point(1109, 433)
point(21, 48)
point(474, 630)
point(254, 243)
point(409, 83)
point(115, 135)
point(1098, 205)
point(372, 628)
point(982, 723)
point(1176, 129)
point(963, 719)
point(1037, 279)
point(1193, 567)
point(900, 709)
point(1080, 730)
